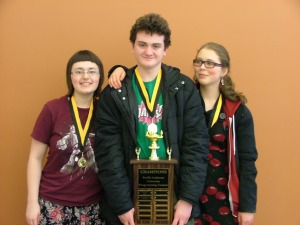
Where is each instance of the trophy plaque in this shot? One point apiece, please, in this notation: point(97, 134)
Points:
point(153, 191)
point(153, 186)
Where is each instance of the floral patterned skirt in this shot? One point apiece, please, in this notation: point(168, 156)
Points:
point(52, 213)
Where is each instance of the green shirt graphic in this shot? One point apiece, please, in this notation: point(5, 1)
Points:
point(144, 120)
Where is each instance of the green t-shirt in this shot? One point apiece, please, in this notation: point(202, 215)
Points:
point(144, 120)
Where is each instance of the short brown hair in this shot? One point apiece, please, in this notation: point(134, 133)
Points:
point(151, 24)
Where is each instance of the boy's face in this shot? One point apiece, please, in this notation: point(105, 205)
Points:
point(149, 50)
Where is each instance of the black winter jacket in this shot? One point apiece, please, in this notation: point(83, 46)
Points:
point(243, 143)
point(184, 131)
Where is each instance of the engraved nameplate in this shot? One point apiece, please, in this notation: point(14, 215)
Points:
point(153, 178)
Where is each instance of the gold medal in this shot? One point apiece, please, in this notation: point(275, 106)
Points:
point(82, 162)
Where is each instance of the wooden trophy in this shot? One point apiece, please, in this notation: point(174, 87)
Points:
point(153, 186)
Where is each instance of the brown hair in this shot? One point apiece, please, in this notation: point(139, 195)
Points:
point(152, 24)
point(84, 55)
point(228, 89)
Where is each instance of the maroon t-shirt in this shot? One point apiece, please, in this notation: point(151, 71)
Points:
point(62, 181)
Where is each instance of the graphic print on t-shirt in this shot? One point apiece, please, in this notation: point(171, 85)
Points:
point(144, 120)
point(144, 115)
point(71, 139)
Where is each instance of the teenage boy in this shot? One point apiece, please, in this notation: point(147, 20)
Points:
point(155, 94)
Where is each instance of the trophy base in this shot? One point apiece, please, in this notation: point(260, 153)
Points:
point(153, 158)
point(153, 155)
point(154, 223)
point(153, 191)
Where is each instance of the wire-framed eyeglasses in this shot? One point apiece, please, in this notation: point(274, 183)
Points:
point(90, 72)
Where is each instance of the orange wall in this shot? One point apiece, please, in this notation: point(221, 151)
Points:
point(263, 37)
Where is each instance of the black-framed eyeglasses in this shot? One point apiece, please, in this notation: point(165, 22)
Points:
point(207, 64)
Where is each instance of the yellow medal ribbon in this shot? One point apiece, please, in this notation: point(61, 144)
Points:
point(150, 104)
point(218, 109)
point(82, 132)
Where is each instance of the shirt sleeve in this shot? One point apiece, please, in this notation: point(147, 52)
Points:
point(247, 155)
point(43, 126)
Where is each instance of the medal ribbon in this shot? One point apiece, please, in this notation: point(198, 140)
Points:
point(150, 104)
point(218, 110)
point(82, 132)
